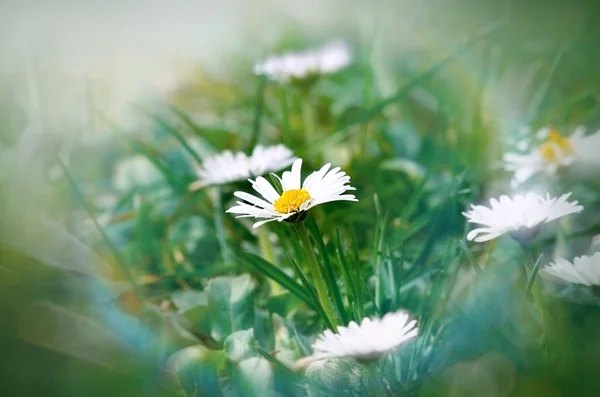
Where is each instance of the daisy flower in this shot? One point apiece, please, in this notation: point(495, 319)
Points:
point(369, 340)
point(318, 188)
point(554, 152)
point(229, 167)
point(521, 216)
point(297, 65)
point(584, 270)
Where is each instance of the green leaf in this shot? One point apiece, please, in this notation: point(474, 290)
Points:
point(186, 299)
point(196, 370)
point(238, 346)
point(229, 307)
point(334, 376)
point(252, 377)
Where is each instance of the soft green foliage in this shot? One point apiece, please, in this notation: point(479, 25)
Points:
point(117, 279)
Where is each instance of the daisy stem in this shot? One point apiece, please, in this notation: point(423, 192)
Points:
point(315, 271)
point(266, 250)
point(308, 117)
point(285, 127)
point(378, 391)
point(220, 227)
point(534, 288)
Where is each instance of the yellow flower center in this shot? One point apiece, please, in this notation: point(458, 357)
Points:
point(291, 200)
point(555, 141)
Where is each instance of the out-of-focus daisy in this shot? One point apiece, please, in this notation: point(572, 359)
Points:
point(229, 167)
point(584, 270)
point(554, 152)
point(369, 340)
point(319, 187)
point(297, 65)
point(521, 216)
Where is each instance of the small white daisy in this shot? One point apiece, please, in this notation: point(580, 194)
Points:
point(296, 65)
point(584, 270)
point(319, 187)
point(554, 152)
point(521, 216)
point(369, 340)
point(229, 167)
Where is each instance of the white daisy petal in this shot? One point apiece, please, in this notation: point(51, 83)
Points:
point(327, 59)
point(252, 199)
point(553, 152)
point(268, 159)
point(262, 186)
point(229, 167)
point(296, 198)
point(369, 340)
point(260, 223)
point(584, 270)
point(521, 216)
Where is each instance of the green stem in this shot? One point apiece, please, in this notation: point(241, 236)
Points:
point(378, 390)
point(266, 249)
point(315, 271)
point(286, 135)
point(220, 228)
point(538, 299)
point(309, 123)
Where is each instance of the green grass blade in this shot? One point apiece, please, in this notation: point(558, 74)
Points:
point(113, 249)
point(175, 134)
point(328, 267)
point(271, 271)
point(470, 257)
point(310, 291)
point(402, 93)
point(258, 113)
point(350, 281)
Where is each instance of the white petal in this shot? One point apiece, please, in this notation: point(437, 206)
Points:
point(513, 214)
point(370, 339)
point(253, 199)
point(262, 186)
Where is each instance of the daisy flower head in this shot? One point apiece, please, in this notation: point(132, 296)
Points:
point(320, 187)
point(553, 152)
point(229, 167)
point(369, 340)
point(520, 216)
point(297, 65)
point(584, 270)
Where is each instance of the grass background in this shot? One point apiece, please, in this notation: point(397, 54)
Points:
point(111, 273)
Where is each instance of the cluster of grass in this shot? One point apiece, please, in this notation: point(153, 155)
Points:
point(192, 301)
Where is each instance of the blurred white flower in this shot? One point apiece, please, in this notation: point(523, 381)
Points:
point(320, 187)
point(553, 152)
point(228, 167)
point(327, 59)
point(584, 270)
point(269, 159)
point(369, 340)
point(521, 216)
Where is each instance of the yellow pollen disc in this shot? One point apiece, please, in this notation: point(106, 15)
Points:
point(548, 149)
point(291, 200)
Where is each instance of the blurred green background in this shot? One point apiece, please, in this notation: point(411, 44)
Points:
point(103, 106)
